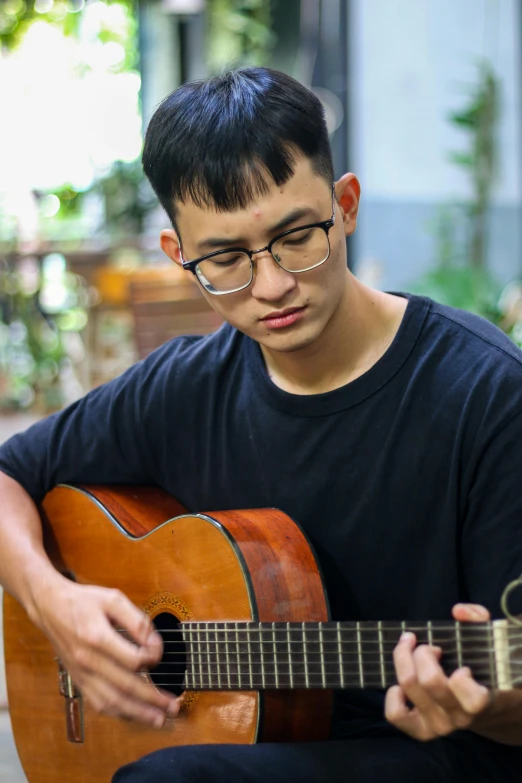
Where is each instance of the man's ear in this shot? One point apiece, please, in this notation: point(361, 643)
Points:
point(170, 244)
point(348, 194)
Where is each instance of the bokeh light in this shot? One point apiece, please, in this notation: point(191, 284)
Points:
point(73, 106)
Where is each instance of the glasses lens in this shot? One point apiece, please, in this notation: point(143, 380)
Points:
point(302, 250)
point(225, 272)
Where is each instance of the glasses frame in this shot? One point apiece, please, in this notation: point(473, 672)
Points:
point(326, 225)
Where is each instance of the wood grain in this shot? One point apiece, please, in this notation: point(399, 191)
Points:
point(247, 565)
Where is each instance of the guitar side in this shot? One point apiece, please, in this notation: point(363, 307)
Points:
point(242, 565)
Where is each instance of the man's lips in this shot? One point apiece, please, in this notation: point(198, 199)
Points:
point(281, 313)
point(281, 318)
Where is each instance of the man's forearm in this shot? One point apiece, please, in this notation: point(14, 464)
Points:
point(25, 569)
point(501, 721)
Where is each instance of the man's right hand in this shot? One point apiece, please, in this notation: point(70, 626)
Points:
point(81, 623)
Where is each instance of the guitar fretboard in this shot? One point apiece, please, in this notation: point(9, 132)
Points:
point(257, 656)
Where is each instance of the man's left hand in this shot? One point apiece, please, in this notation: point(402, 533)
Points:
point(441, 704)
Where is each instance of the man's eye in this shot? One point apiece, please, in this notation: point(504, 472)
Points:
point(298, 239)
point(226, 260)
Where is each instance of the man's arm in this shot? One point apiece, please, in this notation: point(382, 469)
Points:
point(79, 619)
point(108, 437)
point(491, 547)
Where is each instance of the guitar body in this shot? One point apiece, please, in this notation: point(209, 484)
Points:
point(233, 565)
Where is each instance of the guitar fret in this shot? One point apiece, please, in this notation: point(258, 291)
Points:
point(305, 656)
point(430, 633)
point(238, 658)
point(459, 643)
point(321, 653)
point(289, 655)
point(249, 658)
point(276, 666)
point(200, 657)
point(381, 654)
point(340, 651)
point(262, 660)
point(227, 658)
point(492, 668)
point(190, 668)
point(218, 656)
point(359, 653)
point(208, 657)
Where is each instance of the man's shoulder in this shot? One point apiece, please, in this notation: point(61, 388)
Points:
point(193, 355)
point(471, 362)
point(477, 334)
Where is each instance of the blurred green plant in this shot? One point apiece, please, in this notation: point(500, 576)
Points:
point(461, 277)
point(239, 33)
point(479, 119)
point(127, 198)
point(39, 305)
point(65, 212)
point(16, 17)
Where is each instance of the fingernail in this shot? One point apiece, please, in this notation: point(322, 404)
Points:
point(407, 637)
point(159, 720)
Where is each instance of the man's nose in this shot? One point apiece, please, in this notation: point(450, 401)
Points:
point(271, 282)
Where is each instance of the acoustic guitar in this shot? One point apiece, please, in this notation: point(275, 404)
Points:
point(239, 601)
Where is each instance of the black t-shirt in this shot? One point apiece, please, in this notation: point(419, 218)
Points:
point(407, 481)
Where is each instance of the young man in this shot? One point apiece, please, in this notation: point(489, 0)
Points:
point(388, 426)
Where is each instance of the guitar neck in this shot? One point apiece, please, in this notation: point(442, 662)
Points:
point(257, 656)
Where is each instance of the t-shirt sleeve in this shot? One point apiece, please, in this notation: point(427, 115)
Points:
point(492, 530)
point(99, 439)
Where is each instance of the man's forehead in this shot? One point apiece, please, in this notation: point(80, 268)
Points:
point(297, 198)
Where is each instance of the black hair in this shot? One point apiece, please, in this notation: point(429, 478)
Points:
point(219, 142)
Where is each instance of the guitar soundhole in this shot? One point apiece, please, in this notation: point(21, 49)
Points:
point(169, 674)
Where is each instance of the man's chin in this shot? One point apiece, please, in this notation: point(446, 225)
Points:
point(287, 343)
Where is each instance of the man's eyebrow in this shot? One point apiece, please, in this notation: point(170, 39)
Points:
point(216, 243)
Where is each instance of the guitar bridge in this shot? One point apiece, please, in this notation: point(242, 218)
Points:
point(73, 704)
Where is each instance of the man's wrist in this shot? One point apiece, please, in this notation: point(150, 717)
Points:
point(41, 592)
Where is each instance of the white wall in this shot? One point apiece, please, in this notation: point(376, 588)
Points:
point(411, 64)
point(412, 60)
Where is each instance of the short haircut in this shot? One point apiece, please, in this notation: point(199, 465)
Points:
point(222, 141)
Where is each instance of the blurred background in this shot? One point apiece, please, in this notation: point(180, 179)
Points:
point(423, 100)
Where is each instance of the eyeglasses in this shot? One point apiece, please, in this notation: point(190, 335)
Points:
point(297, 250)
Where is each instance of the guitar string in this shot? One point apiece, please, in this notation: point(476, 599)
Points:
point(295, 625)
point(446, 644)
point(472, 656)
point(347, 665)
point(205, 641)
point(241, 680)
point(348, 646)
point(465, 630)
point(244, 676)
point(387, 645)
point(221, 635)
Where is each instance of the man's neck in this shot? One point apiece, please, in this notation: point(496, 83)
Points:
point(360, 331)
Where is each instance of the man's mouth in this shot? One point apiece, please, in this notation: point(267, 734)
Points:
point(280, 318)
